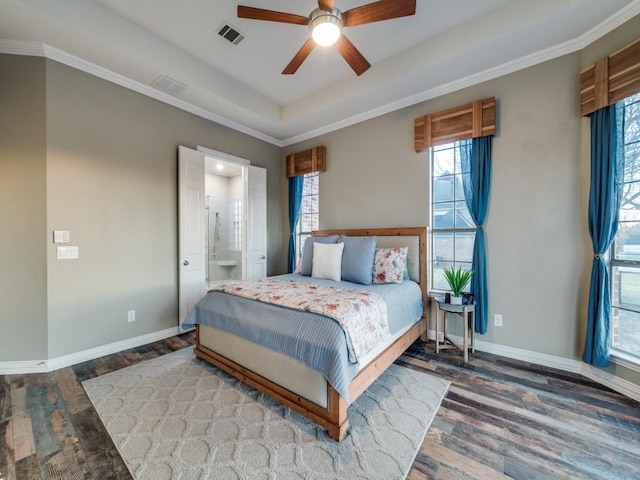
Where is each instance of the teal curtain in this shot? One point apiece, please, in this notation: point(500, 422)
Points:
point(295, 202)
point(476, 181)
point(604, 204)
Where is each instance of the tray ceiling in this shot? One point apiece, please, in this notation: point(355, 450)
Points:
point(446, 45)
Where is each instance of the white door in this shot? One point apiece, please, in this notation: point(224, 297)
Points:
point(191, 230)
point(257, 223)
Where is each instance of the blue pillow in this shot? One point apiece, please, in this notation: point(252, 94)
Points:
point(307, 252)
point(357, 259)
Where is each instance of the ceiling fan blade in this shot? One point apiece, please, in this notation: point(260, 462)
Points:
point(325, 5)
point(378, 11)
point(270, 15)
point(352, 55)
point(299, 57)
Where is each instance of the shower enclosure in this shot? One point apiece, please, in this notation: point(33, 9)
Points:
point(223, 224)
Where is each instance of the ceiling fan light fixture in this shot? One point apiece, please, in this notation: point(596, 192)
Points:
point(325, 26)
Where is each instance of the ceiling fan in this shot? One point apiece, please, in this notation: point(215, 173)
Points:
point(326, 22)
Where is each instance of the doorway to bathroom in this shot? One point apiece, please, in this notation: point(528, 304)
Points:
point(240, 244)
point(224, 219)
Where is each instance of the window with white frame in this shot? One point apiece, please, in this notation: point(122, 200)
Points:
point(452, 229)
point(625, 250)
point(309, 210)
point(236, 232)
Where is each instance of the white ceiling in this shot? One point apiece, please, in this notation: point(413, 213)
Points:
point(446, 45)
point(220, 167)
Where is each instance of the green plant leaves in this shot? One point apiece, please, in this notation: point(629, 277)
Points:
point(457, 279)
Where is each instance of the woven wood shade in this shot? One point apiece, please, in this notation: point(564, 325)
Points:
point(308, 161)
point(473, 120)
point(610, 79)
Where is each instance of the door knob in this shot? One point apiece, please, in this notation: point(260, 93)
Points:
point(263, 257)
point(185, 263)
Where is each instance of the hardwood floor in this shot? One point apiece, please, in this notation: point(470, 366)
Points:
point(500, 419)
point(49, 428)
point(504, 418)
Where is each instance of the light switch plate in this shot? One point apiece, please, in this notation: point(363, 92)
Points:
point(67, 253)
point(61, 236)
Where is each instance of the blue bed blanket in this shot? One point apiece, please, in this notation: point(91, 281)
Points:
point(314, 339)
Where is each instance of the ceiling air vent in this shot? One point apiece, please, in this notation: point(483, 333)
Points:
point(230, 33)
point(169, 85)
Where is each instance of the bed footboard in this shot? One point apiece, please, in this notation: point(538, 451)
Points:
point(334, 417)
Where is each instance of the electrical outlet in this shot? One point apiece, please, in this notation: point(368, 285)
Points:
point(497, 320)
point(131, 315)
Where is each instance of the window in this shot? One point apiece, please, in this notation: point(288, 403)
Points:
point(625, 251)
point(236, 234)
point(452, 229)
point(309, 210)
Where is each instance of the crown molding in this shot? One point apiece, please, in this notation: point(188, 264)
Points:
point(43, 50)
point(19, 47)
point(570, 46)
point(16, 47)
point(611, 23)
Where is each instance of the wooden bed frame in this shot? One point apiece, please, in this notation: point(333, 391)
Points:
point(334, 417)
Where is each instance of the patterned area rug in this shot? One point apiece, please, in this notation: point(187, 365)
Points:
point(177, 417)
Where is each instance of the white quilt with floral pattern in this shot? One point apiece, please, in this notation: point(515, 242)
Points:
point(361, 314)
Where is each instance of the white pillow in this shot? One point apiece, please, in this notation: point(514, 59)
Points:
point(327, 261)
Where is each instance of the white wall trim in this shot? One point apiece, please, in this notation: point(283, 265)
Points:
point(23, 367)
point(544, 359)
point(602, 377)
point(535, 58)
point(43, 366)
point(625, 360)
point(605, 378)
point(39, 49)
point(17, 47)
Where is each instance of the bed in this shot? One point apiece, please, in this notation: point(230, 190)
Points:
point(235, 343)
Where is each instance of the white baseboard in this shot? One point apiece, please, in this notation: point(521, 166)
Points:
point(602, 377)
point(43, 366)
point(561, 363)
point(618, 384)
point(23, 367)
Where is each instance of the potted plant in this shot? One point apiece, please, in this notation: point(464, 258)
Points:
point(457, 280)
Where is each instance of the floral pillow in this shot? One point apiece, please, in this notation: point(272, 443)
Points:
point(389, 265)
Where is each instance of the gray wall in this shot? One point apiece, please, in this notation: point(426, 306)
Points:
point(539, 252)
point(375, 178)
point(108, 174)
point(100, 161)
point(23, 207)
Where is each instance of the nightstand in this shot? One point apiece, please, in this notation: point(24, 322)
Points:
point(464, 312)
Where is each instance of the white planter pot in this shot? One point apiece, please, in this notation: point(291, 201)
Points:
point(455, 300)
